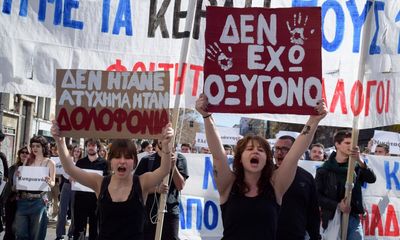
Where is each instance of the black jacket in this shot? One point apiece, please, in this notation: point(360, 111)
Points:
point(327, 189)
point(299, 211)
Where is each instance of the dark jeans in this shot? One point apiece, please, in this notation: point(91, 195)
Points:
point(85, 207)
point(170, 228)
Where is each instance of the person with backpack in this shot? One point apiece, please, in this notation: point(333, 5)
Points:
point(121, 195)
point(178, 175)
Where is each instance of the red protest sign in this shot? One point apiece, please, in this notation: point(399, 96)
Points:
point(261, 60)
point(100, 104)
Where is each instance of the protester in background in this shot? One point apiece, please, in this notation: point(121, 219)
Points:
point(228, 149)
point(54, 191)
point(103, 151)
point(299, 214)
point(3, 174)
point(85, 202)
point(121, 196)
point(317, 152)
point(31, 215)
point(382, 149)
point(66, 200)
point(146, 147)
point(205, 150)
point(331, 184)
point(186, 148)
point(178, 175)
point(251, 193)
point(10, 193)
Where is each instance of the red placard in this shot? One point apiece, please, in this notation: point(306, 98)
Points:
point(261, 60)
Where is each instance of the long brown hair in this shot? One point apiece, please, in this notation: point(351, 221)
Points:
point(45, 148)
point(238, 168)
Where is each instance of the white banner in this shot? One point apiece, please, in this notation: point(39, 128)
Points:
point(392, 139)
point(75, 186)
point(228, 135)
point(39, 36)
point(200, 216)
point(33, 178)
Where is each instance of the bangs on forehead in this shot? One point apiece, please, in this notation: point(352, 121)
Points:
point(123, 148)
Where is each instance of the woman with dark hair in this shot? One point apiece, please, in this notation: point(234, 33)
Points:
point(67, 197)
point(10, 193)
point(31, 216)
point(251, 193)
point(122, 195)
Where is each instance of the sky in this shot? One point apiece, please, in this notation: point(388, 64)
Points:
point(226, 120)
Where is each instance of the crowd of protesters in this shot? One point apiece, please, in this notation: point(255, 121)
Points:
point(263, 181)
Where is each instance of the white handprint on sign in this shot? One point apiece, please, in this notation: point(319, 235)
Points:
point(297, 30)
point(214, 53)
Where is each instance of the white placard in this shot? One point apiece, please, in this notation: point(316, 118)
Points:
point(286, 133)
point(228, 135)
point(33, 178)
point(392, 139)
point(76, 186)
point(59, 167)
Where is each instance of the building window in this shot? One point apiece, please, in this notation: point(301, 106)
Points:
point(190, 123)
point(47, 109)
point(39, 107)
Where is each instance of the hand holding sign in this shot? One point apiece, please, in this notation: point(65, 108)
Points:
point(202, 104)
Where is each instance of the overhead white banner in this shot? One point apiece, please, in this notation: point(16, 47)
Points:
point(200, 216)
point(39, 37)
point(392, 139)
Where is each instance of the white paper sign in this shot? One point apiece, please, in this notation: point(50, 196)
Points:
point(59, 167)
point(286, 133)
point(33, 178)
point(392, 139)
point(228, 135)
point(76, 186)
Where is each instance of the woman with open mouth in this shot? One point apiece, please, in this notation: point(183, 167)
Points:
point(251, 193)
point(121, 196)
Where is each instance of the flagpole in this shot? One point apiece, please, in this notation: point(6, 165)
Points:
point(175, 113)
point(355, 131)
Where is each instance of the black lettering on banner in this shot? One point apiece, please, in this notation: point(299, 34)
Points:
point(158, 19)
point(178, 14)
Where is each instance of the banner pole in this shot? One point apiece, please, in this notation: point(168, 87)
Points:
point(355, 131)
point(175, 112)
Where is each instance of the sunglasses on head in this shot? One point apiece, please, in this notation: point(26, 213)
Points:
point(24, 152)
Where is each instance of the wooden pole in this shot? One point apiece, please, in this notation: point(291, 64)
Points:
point(354, 136)
point(175, 112)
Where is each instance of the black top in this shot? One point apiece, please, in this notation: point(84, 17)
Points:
point(254, 218)
point(121, 220)
point(299, 210)
point(98, 164)
point(152, 162)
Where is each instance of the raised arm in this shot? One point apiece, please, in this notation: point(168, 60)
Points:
point(91, 180)
point(223, 175)
point(284, 175)
point(150, 179)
